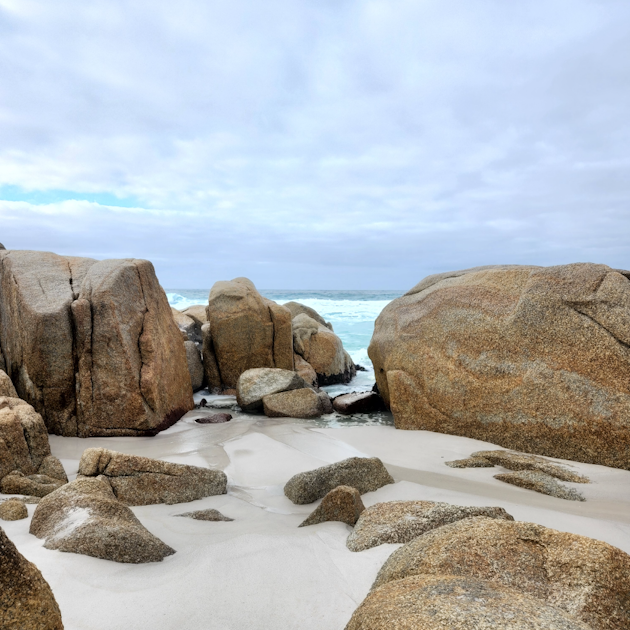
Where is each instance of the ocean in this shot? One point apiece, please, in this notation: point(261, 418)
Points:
point(352, 314)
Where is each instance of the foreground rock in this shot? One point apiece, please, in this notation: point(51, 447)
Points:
point(13, 510)
point(586, 578)
point(206, 515)
point(195, 365)
point(214, 418)
point(85, 517)
point(138, 480)
point(402, 521)
point(341, 504)
point(298, 403)
point(358, 402)
point(6, 386)
point(322, 350)
point(92, 345)
point(540, 482)
point(437, 602)
point(26, 601)
point(531, 358)
point(366, 474)
point(253, 385)
point(244, 331)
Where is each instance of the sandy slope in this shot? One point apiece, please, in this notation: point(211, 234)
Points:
point(260, 571)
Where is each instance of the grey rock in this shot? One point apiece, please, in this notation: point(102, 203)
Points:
point(195, 366)
point(253, 385)
point(206, 515)
point(214, 418)
point(298, 403)
point(540, 482)
point(297, 309)
point(366, 474)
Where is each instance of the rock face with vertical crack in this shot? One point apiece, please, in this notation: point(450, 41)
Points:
point(26, 601)
point(85, 517)
point(536, 359)
point(139, 480)
point(92, 345)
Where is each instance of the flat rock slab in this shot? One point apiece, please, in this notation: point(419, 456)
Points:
point(540, 482)
point(341, 504)
point(85, 517)
point(438, 602)
point(26, 601)
point(366, 474)
point(587, 578)
point(402, 521)
point(362, 402)
point(215, 418)
point(144, 481)
point(253, 385)
point(470, 462)
point(206, 515)
point(13, 510)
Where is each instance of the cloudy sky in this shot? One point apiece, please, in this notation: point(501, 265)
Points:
point(316, 143)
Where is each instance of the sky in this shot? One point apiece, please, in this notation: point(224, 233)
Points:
point(316, 144)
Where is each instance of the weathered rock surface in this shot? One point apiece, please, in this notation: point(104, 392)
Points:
point(532, 358)
point(85, 517)
point(244, 331)
point(470, 462)
point(366, 474)
point(13, 510)
point(323, 350)
point(139, 480)
point(37, 485)
point(215, 418)
point(298, 309)
point(198, 314)
point(253, 385)
point(187, 325)
point(437, 602)
point(305, 370)
point(6, 386)
point(341, 504)
point(326, 402)
point(540, 482)
point(26, 601)
point(586, 578)
point(92, 345)
point(297, 403)
point(52, 467)
point(402, 521)
point(195, 366)
point(358, 402)
point(206, 515)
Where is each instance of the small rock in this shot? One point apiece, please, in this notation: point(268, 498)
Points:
point(215, 418)
point(6, 386)
point(305, 370)
point(358, 402)
point(206, 515)
point(366, 474)
point(299, 403)
point(402, 521)
point(52, 467)
point(36, 485)
point(195, 367)
point(13, 510)
point(326, 403)
point(470, 462)
point(540, 482)
point(341, 504)
point(253, 385)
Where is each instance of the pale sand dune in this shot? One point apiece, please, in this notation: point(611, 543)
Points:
point(261, 571)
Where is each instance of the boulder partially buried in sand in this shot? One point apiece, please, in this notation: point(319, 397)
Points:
point(26, 601)
point(85, 517)
point(540, 482)
point(402, 521)
point(253, 385)
point(13, 510)
point(298, 403)
point(139, 480)
point(531, 358)
point(366, 474)
point(586, 578)
point(341, 504)
point(92, 345)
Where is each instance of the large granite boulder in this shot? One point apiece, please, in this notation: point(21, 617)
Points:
point(85, 517)
point(92, 345)
point(253, 385)
point(358, 402)
point(26, 601)
point(139, 480)
point(366, 474)
point(297, 403)
point(13, 510)
point(323, 350)
point(586, 578)
point(244, 331)
point(440, 602)
point(531, 358)
point(402, 521)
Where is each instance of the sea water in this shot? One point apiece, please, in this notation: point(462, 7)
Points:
point(352, 314)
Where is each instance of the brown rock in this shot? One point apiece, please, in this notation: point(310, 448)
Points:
point(92, 345)
point(439, 602)
point(402, 521)
point(326, 402)
point(358, 402)
point(532, 358)
point(341, 504)
point(26, 601)
point(6, 386)
point(215, 418)
point(366, 474)
point(197, 313)
point(206, 515)
point(52, 467)
point(35, 485)
point(298, 309)
point(195, 366)
point(144, 481)
point(253, 385)
point(13, 510)
point(85, 517)
point(540, 482)
point(586, 578)
point(297, 403)
point(305, 370)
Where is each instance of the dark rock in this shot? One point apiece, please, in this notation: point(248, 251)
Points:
point(360, 368)
point(341, 504)
point(361, 402)
point(215, 418)
point(195, 366)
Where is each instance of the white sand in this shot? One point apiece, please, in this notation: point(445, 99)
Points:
point(261, 571)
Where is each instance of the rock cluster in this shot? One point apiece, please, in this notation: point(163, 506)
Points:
point(341, 504)
point(26, 601)
point(92, 345)
point(137, 480)
point(531, 358)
